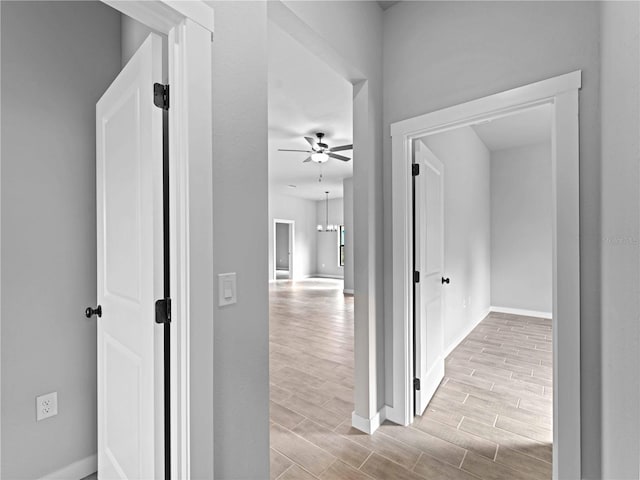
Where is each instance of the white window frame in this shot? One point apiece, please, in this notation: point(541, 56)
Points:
point(189, 27)
point(562, 93)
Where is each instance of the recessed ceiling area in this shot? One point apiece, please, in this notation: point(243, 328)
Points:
point(526, 128)
point(305, 97)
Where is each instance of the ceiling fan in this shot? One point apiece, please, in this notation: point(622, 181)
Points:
point(320, 152)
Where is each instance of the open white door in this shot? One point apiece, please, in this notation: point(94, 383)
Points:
point(130, 271)
point(429, 261)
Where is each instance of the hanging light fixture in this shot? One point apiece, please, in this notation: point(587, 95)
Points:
point(327, 227)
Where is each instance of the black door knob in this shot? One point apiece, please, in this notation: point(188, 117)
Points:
point(90, 312)
point(445, 280)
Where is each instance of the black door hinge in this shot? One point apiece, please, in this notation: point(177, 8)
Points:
point(163, 310)
point(415, 169)
point(416, 383)
point(416, 277)
point(161, 96)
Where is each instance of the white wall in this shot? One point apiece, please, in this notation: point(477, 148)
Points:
point(328, 260)
point(282, 246)
point(347, 189)
point(521, 217)
point(619, 327)
point(303, 213)
point(467, 230)
point(438, 54)
point(57, 60)
point(240, 366)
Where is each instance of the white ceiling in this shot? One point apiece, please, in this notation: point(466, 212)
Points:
point(305, 97)
point(527, 128)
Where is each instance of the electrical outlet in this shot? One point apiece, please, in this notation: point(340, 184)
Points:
point(46, 406)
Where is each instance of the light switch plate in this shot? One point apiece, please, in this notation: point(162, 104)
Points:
point(226, 289)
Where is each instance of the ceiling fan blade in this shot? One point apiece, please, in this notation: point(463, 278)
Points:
point(307, 160)
point(313, 142)
point(287, 150)
point(338, 157)
point(341, 148)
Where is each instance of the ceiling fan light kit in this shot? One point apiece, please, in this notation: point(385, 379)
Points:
point(320, 151)
point(319, 157)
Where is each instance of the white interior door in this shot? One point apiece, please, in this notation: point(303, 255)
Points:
point(130, 270)
point(429, 251)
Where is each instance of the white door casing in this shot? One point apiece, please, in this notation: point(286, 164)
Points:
point(429, 261)
point(562, 93)
point(130, 270)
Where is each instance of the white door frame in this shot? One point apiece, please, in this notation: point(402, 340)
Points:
point(189, 26)
point(562, 93)
point(292, 237)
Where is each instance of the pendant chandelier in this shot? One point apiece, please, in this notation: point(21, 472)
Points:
point(327, 227)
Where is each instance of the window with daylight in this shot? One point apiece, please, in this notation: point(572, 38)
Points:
point(341, 245)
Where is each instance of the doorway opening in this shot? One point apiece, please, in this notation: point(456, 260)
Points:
point(283, 244)
point(482, 328)
point(561, 94)
point(311, 303)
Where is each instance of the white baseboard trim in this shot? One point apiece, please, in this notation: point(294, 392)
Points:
point(75, 471)
point(368, 425)
point(348, 291)
point(520, 311)
point(465, 333)
point(322, 275)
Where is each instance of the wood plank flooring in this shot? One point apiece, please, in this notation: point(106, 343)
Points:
point(490, 418)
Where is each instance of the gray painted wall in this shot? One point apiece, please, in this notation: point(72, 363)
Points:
point(521, 228)
point(282, 246)
point(347, 189)
point(51, 82)
point(467, 235)
point(240, 203)
point(328, 262)
point(303, 213)
point(619, 326)
point(438, 54)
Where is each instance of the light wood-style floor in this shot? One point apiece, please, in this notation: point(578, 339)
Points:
point(490, 418)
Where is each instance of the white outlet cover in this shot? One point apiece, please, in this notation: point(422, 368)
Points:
point(46, 406)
